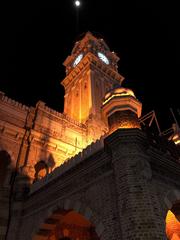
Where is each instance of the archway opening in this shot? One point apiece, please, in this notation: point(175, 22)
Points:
point(41, 170)
point(173, 223)
point(5, 160)
point(67, 225)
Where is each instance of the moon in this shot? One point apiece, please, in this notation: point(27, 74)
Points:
point(77, 3)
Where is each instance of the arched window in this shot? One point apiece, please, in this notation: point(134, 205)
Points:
point(67, 225)
point(41, 170)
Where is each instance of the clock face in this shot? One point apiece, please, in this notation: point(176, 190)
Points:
point(78, 59)
point(103, 58)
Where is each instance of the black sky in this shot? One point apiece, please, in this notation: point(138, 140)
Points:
point(35, 42)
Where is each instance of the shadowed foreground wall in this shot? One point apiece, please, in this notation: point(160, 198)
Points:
point(123, 185)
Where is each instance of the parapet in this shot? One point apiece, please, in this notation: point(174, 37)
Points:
point(12, 102)
point(41, 105)
point(69, 163)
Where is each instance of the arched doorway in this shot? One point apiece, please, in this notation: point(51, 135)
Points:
point(5, 161)
point(173, 222)
point(67, 225)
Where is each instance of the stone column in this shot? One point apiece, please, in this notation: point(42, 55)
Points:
point(4, 210)
point(132, 173)
point(4, 203)
point(17, 197)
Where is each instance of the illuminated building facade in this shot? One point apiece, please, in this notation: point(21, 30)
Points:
point(92, 172)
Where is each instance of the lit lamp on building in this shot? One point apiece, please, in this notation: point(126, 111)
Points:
point(176, 135)
point(121, 109)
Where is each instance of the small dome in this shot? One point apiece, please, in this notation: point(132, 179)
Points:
point(120, 91)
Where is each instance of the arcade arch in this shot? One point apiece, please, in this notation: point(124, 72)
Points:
point(66, 224)
point(173, 215)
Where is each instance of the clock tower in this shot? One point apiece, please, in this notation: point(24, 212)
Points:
point(91, 70)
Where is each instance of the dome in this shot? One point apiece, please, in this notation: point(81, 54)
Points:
point(119, 91)
point(121, 108)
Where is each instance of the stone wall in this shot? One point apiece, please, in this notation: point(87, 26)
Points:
point(31, 134)
point(124, 188)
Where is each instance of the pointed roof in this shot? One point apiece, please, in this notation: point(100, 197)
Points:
point(87, 39)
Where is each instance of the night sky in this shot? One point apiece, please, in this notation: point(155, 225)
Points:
point(35, 42)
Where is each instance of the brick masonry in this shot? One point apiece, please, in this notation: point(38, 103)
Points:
point(119, 189)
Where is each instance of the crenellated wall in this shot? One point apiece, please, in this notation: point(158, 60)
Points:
point(33, 134)
point(13, 117)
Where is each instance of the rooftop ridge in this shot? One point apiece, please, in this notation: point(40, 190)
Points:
point(69, 163)
point(12, 102)
point(41, 105)
point(60, 115)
